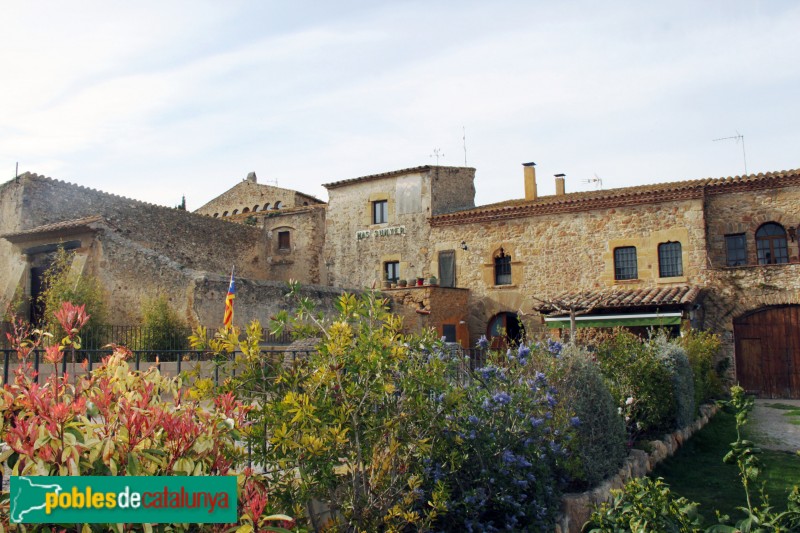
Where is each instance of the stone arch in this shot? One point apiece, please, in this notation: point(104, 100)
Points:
point(278, 205)
point(224, 213)
point(235, 211)
point(246, 210)
point(266, 207)
point(216, 215)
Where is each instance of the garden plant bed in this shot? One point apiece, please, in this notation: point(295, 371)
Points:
point(577, 507)
point(697, 472)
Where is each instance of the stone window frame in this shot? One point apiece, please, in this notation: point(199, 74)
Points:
point(380, 196)
point(670, 259)
point(620, 273)
point(772, 249)
point(489, 266)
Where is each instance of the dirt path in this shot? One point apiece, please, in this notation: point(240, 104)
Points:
point(775, 424)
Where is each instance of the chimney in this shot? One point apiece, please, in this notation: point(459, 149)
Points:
point(529, 171)
point(251, 177)
point(560, 184)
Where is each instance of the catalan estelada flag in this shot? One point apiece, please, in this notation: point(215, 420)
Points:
point(227, 322)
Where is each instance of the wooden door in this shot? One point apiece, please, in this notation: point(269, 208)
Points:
point(767, 344)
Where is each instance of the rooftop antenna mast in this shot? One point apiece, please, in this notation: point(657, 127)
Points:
point(464, 138)
point(597, 180)
point(437, 153)
point(738, 137)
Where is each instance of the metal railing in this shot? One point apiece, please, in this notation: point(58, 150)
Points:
point(141, 337)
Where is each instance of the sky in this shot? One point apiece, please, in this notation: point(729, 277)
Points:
point(156, 100)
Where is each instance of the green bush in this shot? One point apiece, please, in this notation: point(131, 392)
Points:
point(163, 328)
point(674, 358)
point(639, 382)
point(62, 285)
point(645, 505)
point(702, 348)
point(598, 449)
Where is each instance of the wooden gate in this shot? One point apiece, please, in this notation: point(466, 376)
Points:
point(768, 351)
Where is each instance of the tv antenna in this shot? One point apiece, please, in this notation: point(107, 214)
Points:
point(597, 180)
point(738, 137)
point(464, 138)
point(437, 153)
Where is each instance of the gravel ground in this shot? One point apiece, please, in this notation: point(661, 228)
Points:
point(772, 429)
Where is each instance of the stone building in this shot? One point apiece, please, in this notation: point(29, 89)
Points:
point(137, 251)
point(249, 197)
point(720, 254)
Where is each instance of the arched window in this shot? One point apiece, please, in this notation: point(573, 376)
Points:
point(771, 244)
point(670, 260)
point(305, 203)
point(625, 264)
point(266, 206)
point(502, 268)
point(278, 205)
point(216, 215)
point(255, 208)
point(235, 211)
point(246, 210)
point(224, 213)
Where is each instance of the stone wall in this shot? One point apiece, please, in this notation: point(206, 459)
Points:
point(452, 189)
point(554, 253)
point(249, 196)
point(190, 240)
point(303, 260)
point(744, 212)
point(12, 265)
point(431, 307)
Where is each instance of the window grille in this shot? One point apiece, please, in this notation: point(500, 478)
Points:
point(502, 268)
point(736, 249)
point(670, 260)
point(625, 263)
point(771, 244)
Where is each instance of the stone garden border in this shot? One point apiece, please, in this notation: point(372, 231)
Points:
point(576, 508)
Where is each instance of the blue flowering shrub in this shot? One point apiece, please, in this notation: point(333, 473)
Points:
point(502, 449)
point(640, 383)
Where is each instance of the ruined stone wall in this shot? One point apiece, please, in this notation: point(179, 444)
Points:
point(303, 260)
point(12, 265)
point(356, 249)
point(190, 240)
point(452, 189)
point(249, 197)
point(551, 254)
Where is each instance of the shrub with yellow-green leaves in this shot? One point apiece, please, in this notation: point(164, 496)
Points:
point(350, 425)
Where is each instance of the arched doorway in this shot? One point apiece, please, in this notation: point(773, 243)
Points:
point(504, 330)
point(767, 344)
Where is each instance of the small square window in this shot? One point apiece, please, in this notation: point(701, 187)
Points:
point(284, 241)
point(449, 332)
point(391, 271)
point(625, 266)
point(380, 212)
point(736, 250)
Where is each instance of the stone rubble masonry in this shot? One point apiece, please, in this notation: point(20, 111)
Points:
point(356, 249)
point(430, 307)
point(554, 253)
point(254, 197)
point(576, 508)
point(303, 261)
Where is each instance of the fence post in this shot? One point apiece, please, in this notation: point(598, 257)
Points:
point(6, 362)
point(36, 366)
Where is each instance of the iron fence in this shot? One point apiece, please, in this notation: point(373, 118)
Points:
point(141, 337)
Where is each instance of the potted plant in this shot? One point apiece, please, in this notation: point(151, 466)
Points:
point(387, 282)
point(420, 281)
point(402, 283)
point(433, 281)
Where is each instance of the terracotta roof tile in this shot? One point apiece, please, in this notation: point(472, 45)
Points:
point(618, 298)
point(587, 200)
point(65, 226)
point(389, 174)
